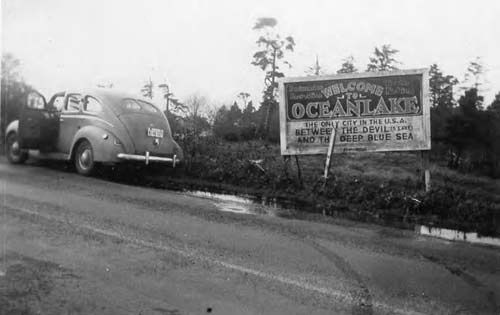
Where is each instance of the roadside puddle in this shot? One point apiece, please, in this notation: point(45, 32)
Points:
point(242, 205)
point(264, 206)
point(455, 235)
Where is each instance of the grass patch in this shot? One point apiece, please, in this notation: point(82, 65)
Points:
point(380, 187)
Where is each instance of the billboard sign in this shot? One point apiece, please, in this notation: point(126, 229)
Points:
point(374, 111)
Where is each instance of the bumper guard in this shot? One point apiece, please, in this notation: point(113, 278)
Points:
point(146, 158)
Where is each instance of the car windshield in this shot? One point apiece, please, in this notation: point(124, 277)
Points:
point(132, 105)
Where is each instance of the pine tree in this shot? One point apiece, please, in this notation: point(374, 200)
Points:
point(269, 58)
point(347, 66)
point(383, 59)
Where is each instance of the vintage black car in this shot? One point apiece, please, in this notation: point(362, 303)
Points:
point(90, 127)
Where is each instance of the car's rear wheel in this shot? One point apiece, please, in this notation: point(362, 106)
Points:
point(84, 158)
point(14, 153)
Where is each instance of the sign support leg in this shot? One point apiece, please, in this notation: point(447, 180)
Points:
point(286, 162)
point(331, 146)
point(425, 171)
point(299, 172)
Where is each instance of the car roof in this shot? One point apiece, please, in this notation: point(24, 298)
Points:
point(114, 97)
point(111, 95)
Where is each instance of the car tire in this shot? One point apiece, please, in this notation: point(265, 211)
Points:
point(14, 153)
point(84, 158)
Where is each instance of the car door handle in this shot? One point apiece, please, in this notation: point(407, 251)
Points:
point(61, 119)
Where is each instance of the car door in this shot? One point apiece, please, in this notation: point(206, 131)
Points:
point(69, 121)
point(38, 124)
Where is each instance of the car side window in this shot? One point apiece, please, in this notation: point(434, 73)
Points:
point(58, 103)
point(73, 103)
point(92, 105)
point(35, 101)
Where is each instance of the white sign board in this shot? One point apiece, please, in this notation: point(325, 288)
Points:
point(374, 111)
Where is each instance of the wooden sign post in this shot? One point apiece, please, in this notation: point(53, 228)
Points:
point(331, 146)
point(425, 171)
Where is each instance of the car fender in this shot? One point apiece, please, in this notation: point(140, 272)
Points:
point(103, 143)
point(12, 127)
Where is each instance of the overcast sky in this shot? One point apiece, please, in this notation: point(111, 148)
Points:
point(206, 46)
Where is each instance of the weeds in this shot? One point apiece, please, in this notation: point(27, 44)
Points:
point(380, 186)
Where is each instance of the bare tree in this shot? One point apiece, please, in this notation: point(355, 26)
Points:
point(10, 68)
point(13, 92)
point(475, 75)
point(211, 112)
point(195, 105)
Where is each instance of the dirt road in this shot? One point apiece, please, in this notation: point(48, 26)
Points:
point(76, 245)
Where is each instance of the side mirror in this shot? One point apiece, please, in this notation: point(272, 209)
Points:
point(36, 101)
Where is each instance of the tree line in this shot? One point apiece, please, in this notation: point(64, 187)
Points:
point(464, 131)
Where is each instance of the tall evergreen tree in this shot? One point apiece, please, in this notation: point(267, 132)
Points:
point(270, 57)
point(465, 128)
point(147, 89)
point(441, 87)
point(475, 77)
point(383, 59)
point(315, 69)
point(441, 95)
point(347, 65)
point(495, 105)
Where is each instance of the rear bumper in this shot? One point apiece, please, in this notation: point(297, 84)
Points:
point(146, 158)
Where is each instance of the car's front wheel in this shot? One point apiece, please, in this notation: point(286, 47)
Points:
point(14, 153)
point(84, 158)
